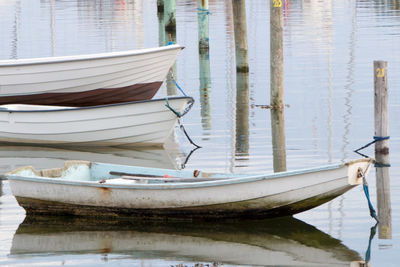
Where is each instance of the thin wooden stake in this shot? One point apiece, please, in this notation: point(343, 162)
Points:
point(382, 150)
point(276, 54)
point(240, 28)
point(277, 106)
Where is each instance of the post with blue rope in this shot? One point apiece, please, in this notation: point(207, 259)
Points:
point(382, 150)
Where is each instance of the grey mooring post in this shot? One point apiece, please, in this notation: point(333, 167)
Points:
point(382, 149)
point(276, 65)
point(169, 18)
point(240, 29)
point(381, 112)
point(161, 26)
point(170, 36)
point(202, 20)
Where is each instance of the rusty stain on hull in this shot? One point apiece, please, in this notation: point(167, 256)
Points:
point(137, 92)
point(105, 193)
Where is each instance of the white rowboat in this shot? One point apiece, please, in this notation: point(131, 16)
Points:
point(86, 80)
point(97, 189)
point(146, 123)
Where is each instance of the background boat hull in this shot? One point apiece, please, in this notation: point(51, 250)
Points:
point(86, 80)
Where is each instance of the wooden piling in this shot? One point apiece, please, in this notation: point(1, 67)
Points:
point(169, 17)
point(202, 19)
point(169, 34)
point(381, 112)
point(161, 25)
point(160, 6)
point(240, 29)
point(276, 54)
point(382, 149)
point(278, 140)
point(276, 84)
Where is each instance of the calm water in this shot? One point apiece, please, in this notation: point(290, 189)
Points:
point(329, 49)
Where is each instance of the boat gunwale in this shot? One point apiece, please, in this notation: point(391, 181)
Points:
point(77, 58)
point(62, 108)
point(185, 185)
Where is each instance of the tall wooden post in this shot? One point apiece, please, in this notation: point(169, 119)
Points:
point(382, 149)
point(170, 37)
point(160, 6)
point(276, 66)
point(381, 112)
point(170, 19)
point(276, 53)
point(161, 25)
point(202, 19)
point(240, 28)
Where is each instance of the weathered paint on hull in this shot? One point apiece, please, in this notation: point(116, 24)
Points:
point(96, 97)
point(228, 211)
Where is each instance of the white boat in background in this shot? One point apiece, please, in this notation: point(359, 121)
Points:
point(98, 189)
point(86, 80)
point(141, 123)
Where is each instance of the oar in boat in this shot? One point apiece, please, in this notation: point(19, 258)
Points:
point(165, 178)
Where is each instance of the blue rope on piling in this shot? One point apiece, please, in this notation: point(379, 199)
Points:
point(203, 11)
point(376, 139)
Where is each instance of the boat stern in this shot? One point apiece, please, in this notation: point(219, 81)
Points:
point(358, 169)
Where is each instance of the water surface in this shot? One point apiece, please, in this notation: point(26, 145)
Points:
point(329, 49)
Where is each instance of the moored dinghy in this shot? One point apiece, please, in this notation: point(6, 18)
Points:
point(86, 80)
point(98, 189)
point(146, 123)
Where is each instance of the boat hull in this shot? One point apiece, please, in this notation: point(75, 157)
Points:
point(95, 97)
point(143, 123)
point(86, 80)
point(231, 210)
point(235, 197)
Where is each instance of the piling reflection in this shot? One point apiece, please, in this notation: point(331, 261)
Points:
point(205, 89)
point(242, 115)
point(285, 241)
point(242, 80)
point(204, 64)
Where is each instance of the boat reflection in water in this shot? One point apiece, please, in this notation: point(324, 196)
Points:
point(284, 241)
point(169, 157)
